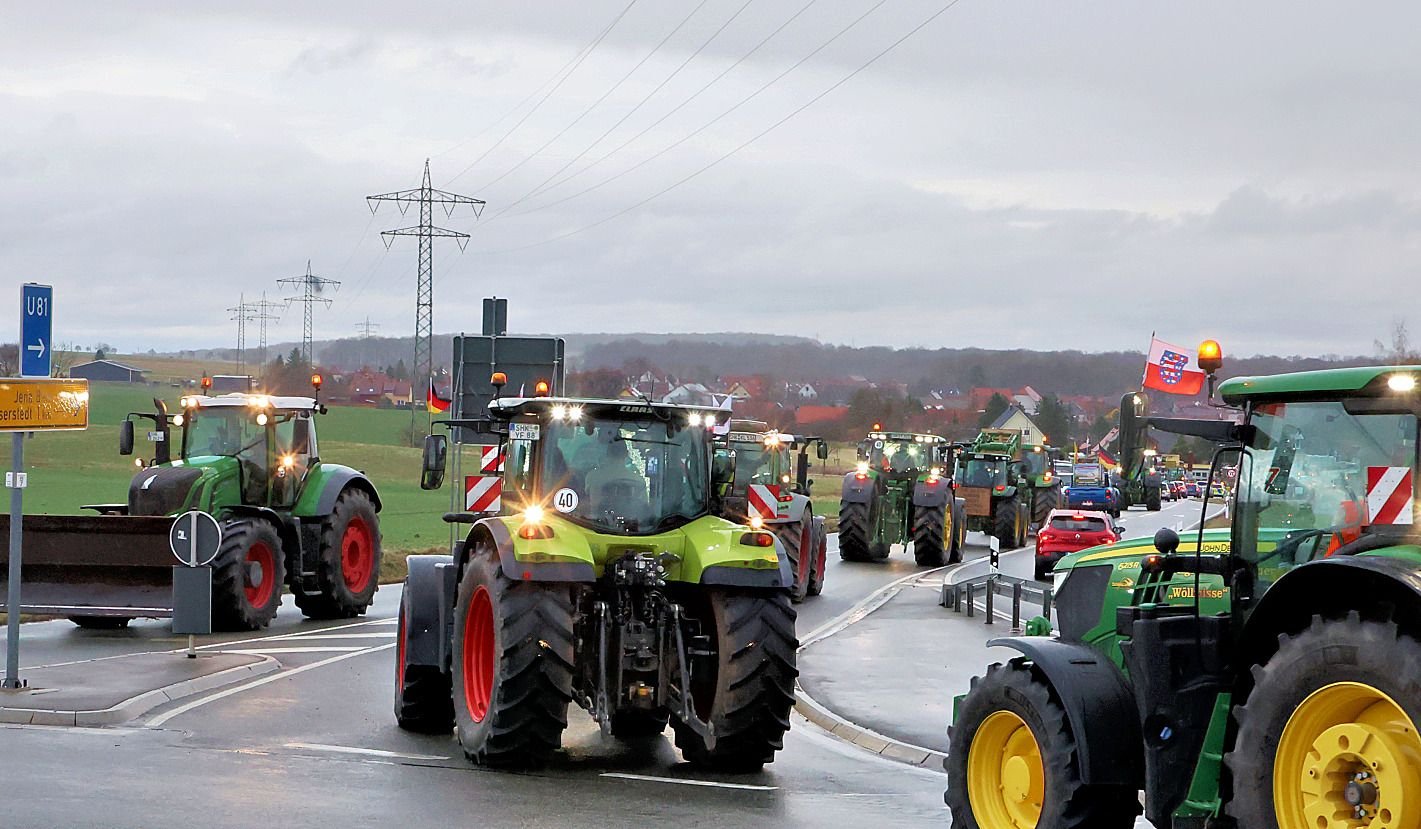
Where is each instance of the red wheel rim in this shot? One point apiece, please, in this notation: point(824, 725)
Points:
point(357, 555)
point(400, 650)
point(806, 555)
point(823, 558)
point(261, 568)
point(478, 655)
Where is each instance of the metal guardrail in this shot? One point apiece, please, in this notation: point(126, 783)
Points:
point(955, 596)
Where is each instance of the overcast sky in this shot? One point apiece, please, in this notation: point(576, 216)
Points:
point(1049, 174)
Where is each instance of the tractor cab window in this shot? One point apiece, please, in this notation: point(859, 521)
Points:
point(754, 464)
point(983, 472)
point(292, 448)
point(635, 477)
point(1316, 477)
point(231, 431)
point(1036, 464)
point(897, 455)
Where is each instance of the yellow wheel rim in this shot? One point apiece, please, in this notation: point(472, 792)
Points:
point(1006, 780)
point(1349, 758)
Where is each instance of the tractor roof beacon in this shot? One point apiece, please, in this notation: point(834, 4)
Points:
point(1267, 675)
point(596, 570)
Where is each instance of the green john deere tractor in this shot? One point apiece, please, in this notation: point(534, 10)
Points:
point(1266, 675)
point(998, 483)
point(771, 491)
point(597, 571)
point(288, 519)
point(902, 492)
point(1141, 472)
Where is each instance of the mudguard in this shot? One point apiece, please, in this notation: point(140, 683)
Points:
point(325, 484)
point(428, 603)
point(857, 490)
point(745, 577)
point(931, 493)
point(495, 529)
point(797, 505)
point(1099, 707)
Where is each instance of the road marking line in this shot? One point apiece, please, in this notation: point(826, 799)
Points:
point(369, 752)
point(314, 649)
point(306, 637)
point(256, 683)
point(268, 638)
point(646, 778)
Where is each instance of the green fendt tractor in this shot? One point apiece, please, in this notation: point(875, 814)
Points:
point(597, 570)
point(771, 491)
point(1141, 473)
point(288, 518)
point(1005, 484)
point(902, 493)
point(1263, 676)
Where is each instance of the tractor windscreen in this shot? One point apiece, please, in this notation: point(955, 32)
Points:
point(1036, 464)
point(1316, 477)
point(898, 455)
point(983, 472)
point(627, 476)
point(227, 431)
point(754, 464)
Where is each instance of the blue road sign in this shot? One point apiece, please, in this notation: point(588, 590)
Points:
point(36, 325)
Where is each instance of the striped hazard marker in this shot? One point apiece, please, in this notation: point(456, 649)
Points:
point(491, 460)
point(483, 493)
point(1389, 495)
point(764, 501)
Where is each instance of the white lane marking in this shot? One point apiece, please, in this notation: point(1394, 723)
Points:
point(306, 637)
point(269, 637)
point(646, 778)
point(867, 605)
point(368, 752)
point(314, 649)
point(256, 683)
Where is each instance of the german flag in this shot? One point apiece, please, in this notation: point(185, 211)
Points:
point(433, 402)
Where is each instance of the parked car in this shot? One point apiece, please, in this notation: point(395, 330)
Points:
point(1067, 531)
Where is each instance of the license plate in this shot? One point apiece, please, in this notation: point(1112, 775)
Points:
point(1088, 503)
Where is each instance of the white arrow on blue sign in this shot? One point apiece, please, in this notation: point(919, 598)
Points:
point(36, 326)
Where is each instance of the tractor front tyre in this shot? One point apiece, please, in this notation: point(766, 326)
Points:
point(821, 559)
point(247, 575)
point(744, 690)
point(348, 569)
point(959, 534)
point(1013, 762)
point(513, 665)
point(1328, 734)
point(1047, 499)
point(101, 622)
point(853, 532)
point(1006, 523)
point(1152, 501)
point(798, 541)
point(930, 540)
point(423, 695)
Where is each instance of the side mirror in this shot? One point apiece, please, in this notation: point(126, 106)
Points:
point(722, 472)
point(822, 451)
point(436, 451)
point(1166, 540)
point(125, 437)
point(1120, 529)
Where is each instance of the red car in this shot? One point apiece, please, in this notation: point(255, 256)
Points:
point(1067, 531)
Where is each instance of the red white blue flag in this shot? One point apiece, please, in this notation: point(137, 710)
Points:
point(1172, 369)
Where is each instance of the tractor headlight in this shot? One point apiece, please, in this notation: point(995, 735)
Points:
point(177, 420)
point(559, 412)
point(757, 523)
point(862, 468)
point(1401, 382)
point(261, 418)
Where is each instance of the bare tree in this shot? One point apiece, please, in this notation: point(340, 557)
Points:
point(9, 360)
point(1398, 351)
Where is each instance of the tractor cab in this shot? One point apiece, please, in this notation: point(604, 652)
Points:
point(769, 457)
point(904, 454)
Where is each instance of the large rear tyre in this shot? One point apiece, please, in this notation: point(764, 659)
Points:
point(930, 540)
point(247, 575)
point(853, 532)
point(423, 696)
point(349, 565)
point(1045, 500)
point(821, 559)
point(101, 622)
point(1152, 502)
point(513, 664)
point(745, 690)
point(1331, 720)
point(798, 541)
point(1012, 761)
point(1006, 524)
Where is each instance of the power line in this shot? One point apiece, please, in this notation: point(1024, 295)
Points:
point(366, 328)
point(629, 113)
point(704, 127)
point(591, 47)
point(806, 105)
point(574, 122)
point(311, 289)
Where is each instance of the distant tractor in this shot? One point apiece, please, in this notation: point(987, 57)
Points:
point(1141, 475)
point(1006, 486)
point(288, 518)
point(902, 493)
point(771, 491)
point(597, 571)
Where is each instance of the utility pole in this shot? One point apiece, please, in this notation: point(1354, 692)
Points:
point(367, 328)
point(262, 312)
point(242, 312)
point(426, 197)
point(310, 289)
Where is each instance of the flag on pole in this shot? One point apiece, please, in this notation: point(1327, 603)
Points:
point(1172, 369)
point(433, 402)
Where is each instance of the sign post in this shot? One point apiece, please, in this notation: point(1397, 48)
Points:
point(194, 539)
point(36, 358)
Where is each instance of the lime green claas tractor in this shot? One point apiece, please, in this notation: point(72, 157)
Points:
point(901, 493)
point(1260, 675)
point(771, 491)
point(601, 574)
point(1007, 485)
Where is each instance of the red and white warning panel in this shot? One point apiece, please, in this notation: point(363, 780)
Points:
point(1390, 491)
point(764, 501)
point(491, 460)
point(483, 493)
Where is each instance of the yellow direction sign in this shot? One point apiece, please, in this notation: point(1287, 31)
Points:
point(35, 404)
